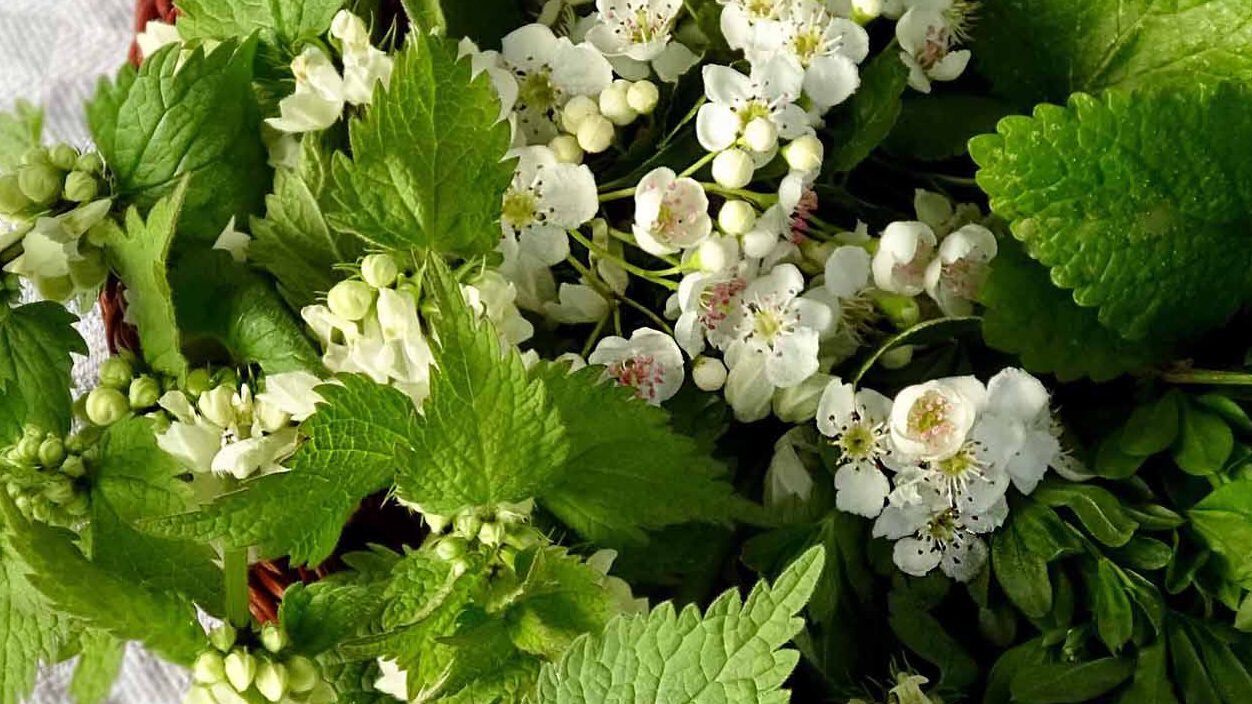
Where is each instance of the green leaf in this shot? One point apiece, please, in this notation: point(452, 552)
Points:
point(563, 599)
point(331, 610)
point(136, 477)
point(1099, 510)
point(1036, 50)
point(730, 654)
point(31, 631)
point(99, 598)
point(20, 129)
point(35, 345)
point(140, 256)
point(1143, 553)
point(1112, 462)
point(1227, 673)
point(356, 440)
point(98, 667)
point(1224, 520)
point(1007, 666)
point(1032, 537)
point(1151, 684)
point(627, 471)
point(427, 166)
point(1027, 315)
point(861, 124)
point(225, 306)
point(288, 21)
point(1243, 618)
point(1063, 682)
point(488, 433)
point(1194, 682)
point(1152, 427)
point(177, 116)
point(939, 329)
point(1204, 443)
point(922, 633)
point(1132, 226)
point(936, 127)
point(1114, 618)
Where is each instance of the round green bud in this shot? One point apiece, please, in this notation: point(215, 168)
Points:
point(12, 199)
point(40, 182)
point(897, 357)
point(450, 548)
point(209, 668)
point(273, 638)
point(28, 449)
point(271, 680)
point(903, 311)
point(106, 406)
point(144, 392)
point(226, 376)
point(90, 163)
point(37, 154)
point(491, 534)
point(350, 300)
point(302, 674)
point(240, 669)
point(467, 524)
point(198, 381)
point(51, 452)
point(63, 156)
point(78, 505)
point(379, 270)
point(80, 187)
point(59, 489)
point(223, 637)
point(73, 467)
point(57, 288)
point(116, 373)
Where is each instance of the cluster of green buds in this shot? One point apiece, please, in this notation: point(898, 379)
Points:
point(43, 475)
point(499, 531)
point(232, 672)
point(51, 180)
point(120, 393)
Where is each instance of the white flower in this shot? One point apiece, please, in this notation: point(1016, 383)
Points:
point(932, 534)
point(244, 457)
point(671, 213)
point(319, 96)
point(927, 32)
point(787, 479)
point(234, 242)
point(191, 439)
point(546, 199)
point(363, 64)
point(155, 35)
point(931, 421)
point(954, 277)
point(650, 362)
point(747, 389)
point(292, 393)
point(781, 227)
point(824, 47)
point(968, 480)
point(710, 304)
point(634, 33)
point(577, 303)
point(495, 297)
point(1017, 428)
point(736, 101)
point(904, 252)
point(778, 325)
point(739, 19)
point(856, 422)
point(549, 71)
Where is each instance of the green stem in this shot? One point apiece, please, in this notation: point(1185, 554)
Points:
point(652, 276)
point(595, 335)
point(1207, 377)
point(761, 200)
point(618, 194)
point(629, 239)
point(648, 314)
point(698, 165)
point(235, 569)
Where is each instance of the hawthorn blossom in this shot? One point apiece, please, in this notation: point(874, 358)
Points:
point(550, 70)
point(820, 45)
point(780, 327)
point(636, 33)
point(710, 305)
point(754, 111)
point(931, 421)
point(1017, 427)
point(650, 362)
point(928, 32)
point(855, 420)
point(932, 534)
point(671, 213)
point(740, 18)
point(904, 252)
point(546, 199)
point(779, 230)
point(954, 277)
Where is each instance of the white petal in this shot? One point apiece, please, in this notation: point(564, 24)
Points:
point(725, 85)
point(793, 359)
point(950, 67)
point(675, 61)
point(830, 80)
point(580, 69)
point(835, 408)
point(747, 390)
point(860, 490)
point(780, 79)
point(963, 561)
point(292, 392)
point(717, 126)
point(847, 271)
point(915, 557)
point(569, 195)
point(529, 47)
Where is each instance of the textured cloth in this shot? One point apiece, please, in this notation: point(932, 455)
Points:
point(52, 53)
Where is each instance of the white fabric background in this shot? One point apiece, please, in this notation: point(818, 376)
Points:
point(52, 52)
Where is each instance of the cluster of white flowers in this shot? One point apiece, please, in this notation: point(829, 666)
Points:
point(228, 431)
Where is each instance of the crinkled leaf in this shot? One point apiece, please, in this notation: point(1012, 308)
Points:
point(1224, 520)
point(20, 129)
point(31, 631)
point(285, 20)
point(1150, 235)
point(427, 166)
point(35, 345)
point(563, 598)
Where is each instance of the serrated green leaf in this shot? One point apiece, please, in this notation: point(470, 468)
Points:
point(936, 127)
point(1144, 233)
point(627, 471)
point(730, 654)
point(1224, 520)
point(31, 631)
point(1151, 684)
point(140, 257)
point(427, 166)
point(1029, 316)
point(861, 124)
point(1036, 50)
point(181, 116)
point(98, 667)
point(488, 434)
point(20, 129)
point(287, 21)
point(1204, 441)
point(563, 598)
point(356, 439)
point(1064, 682)
point(36, 341)
point(1098, 509)
point(331, 610)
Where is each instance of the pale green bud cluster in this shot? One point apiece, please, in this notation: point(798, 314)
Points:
point(497, 531)
point(119, 382)
point(265, 671)
point(42, 473)
point(51, 180)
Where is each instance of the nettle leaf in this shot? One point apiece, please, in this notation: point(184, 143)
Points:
point(285, 20)
point(20, 129)
point(98, 667)
point(627, 471)
point(356, 440)
point(177, 116)
point(31, 631)
point(1224, 520)
point(731, 653)
point(140, 256)
point(225, 306)
point(427, 166)
point(861, 124)
point(488, 434)
point(1029, 316)
point(36, 341)
point(563, 598)
point(1151, 236)
point(1036, 50)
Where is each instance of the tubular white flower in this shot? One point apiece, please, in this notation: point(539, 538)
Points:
point(363, 64)
point(904, 252)
point(292, 392)
point(649, 362)
point(931, 421)
point(671, 213)
point(495, 297)
point(319, 96)
point(954, 277)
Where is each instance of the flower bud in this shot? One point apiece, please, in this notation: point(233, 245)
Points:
point(350, 300)
point(51, 452)
point(450, 548)
point(578, 109)
point(216, 405)
point(77, 505)
point(223, 637)
point(80, 187)
point(733, 168)
point(106, 406)
point(27, 449)
point(761, 135)
point(73, 466)
point(595, 134)
point(90, 163)
point(736, 217)
point(798, 404)
point(56, 288)
point(302, 674)
point(614, 104)
point(12, 199)
point(273, 638)
point(467, 524)
point(865, 10)
point(271, 680)
point(198, 381)
point(379, 270)
point(63, 156)
point(59, 489)
point(40, 182)
point(896, 357)
point(491, 534)
point(116, 373)
point(144, 392)
point(209, 668)
point(643, 96)
point(709, 373)
point(37, 154)
point(566, 148)
point(805, 153)
point(902, 311)
point(200, 695)
point(240, 669)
